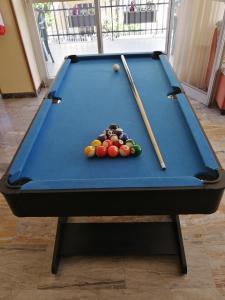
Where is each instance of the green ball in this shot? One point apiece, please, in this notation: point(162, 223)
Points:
point(135, 150)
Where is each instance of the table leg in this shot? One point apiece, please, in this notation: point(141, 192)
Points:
point(124, 239)
point(57, 245)
point(180, 244)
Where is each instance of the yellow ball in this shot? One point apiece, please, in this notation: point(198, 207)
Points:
point(89, 151)
point(116, 67)
point(96, 143)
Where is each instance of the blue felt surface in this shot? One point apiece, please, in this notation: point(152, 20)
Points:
point(93, 96)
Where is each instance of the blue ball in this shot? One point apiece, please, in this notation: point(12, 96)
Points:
point(124, 136)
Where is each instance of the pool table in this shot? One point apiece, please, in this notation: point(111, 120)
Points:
point(50, 176)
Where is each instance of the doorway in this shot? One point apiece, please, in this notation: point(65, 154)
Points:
point(98, 26)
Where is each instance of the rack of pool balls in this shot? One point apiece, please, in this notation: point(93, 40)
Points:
point(112, 142)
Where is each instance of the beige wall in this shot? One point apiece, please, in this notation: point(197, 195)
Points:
point(15, 74)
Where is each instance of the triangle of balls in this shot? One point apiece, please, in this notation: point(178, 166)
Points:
point(113, 142)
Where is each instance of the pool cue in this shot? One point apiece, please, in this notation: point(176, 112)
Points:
point(143, 113)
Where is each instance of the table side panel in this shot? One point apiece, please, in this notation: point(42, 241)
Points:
point(23, 153)
point(170, 73)
point(111, 183)
point(201, 142)
point(53, 90)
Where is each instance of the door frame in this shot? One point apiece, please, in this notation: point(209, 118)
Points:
point(35, 38)
point(220, 51)
point(169, 26)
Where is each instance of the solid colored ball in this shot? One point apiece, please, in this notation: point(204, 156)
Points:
point(89, 151)
point(96, 143)
point(113, 126)
point(123, 136)
point(102, 137)
point(113, 151)
point(114, 138)
point(124, 150)
point(116, 67)
point(101, 151)
point(135, 150)
point(130, 143)
point(107, 143)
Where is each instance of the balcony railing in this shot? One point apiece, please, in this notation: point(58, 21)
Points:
point(71, 21)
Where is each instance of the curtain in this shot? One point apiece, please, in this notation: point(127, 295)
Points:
point(196, 23)
point(44, 1)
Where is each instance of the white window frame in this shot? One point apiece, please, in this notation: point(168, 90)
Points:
point(220, 51)
point(35, 38)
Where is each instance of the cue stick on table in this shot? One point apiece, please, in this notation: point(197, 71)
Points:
point(143, 113)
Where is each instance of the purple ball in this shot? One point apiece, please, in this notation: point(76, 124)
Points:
point(102, 137)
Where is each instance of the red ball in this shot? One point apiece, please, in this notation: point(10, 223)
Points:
point(101, 151)
point(118, 144)
point(107, 143)
point(113, 151)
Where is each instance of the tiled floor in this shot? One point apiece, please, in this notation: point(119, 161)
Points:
point(26, 243)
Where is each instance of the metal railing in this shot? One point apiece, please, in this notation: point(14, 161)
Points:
point(75, 21)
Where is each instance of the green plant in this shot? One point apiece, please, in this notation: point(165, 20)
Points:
point(45, 7)
point(107, 26)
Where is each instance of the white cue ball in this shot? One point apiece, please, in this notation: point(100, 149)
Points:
point(116, 67)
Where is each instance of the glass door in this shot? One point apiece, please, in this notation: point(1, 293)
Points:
point(96, 26)
point(134, 25)
point(65, 28)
